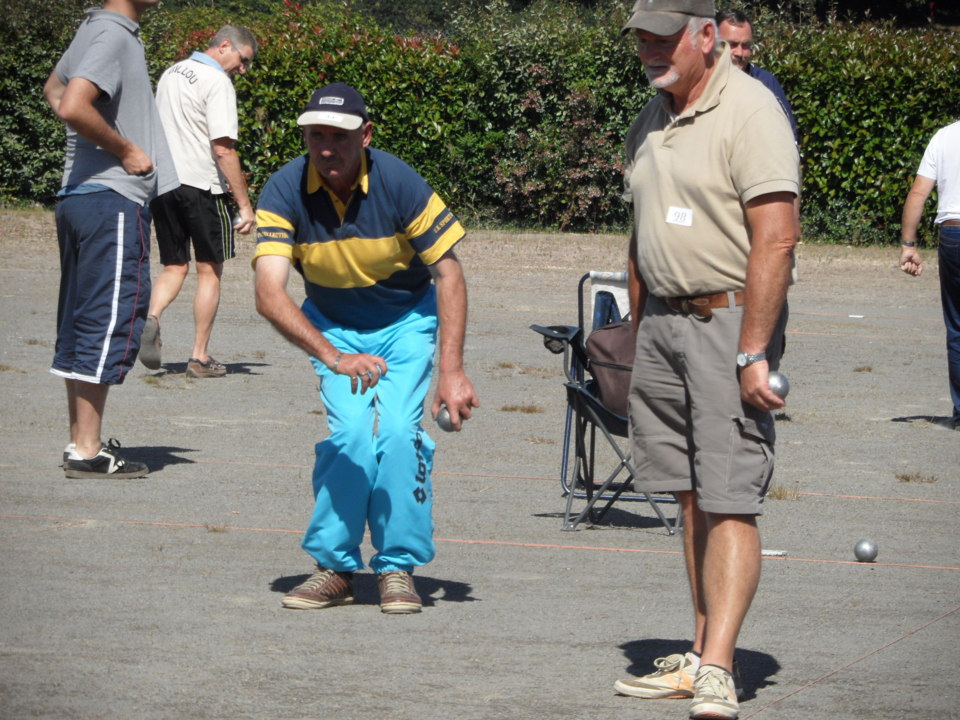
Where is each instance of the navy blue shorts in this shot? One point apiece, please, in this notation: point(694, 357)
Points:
point(104, 286)
point(189, 214)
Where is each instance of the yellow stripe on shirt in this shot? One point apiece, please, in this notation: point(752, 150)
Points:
point(423, 223)
point(453, 234)
point(266, 219)
point(353, 262)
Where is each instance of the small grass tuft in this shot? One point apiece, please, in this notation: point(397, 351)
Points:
point(505, 366)
point(216, 528)
point(161, 381)
point(914, 478)
point(541, 372)
point(524, 409)
point(863, 369)
point(7, 368)
point(779, 492)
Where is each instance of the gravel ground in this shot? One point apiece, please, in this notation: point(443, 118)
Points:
point(160, 598)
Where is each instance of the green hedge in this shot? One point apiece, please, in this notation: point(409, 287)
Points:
point(868, 99)
point(517, 117)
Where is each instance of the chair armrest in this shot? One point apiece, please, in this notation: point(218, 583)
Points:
point(555, 337)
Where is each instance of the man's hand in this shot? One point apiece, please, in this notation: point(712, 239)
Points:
point(755, 387)
point(910, 261)
point(135, 161)
point(246, 221)
point(364, 370)
point(455, 390)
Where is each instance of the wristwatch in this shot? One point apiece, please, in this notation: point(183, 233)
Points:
point(744, 359)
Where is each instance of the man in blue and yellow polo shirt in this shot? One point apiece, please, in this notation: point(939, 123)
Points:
point(374, 244)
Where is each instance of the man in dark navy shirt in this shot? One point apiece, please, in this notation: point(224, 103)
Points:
point(736, 31)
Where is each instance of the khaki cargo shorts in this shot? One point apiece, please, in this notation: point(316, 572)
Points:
point(689, 429)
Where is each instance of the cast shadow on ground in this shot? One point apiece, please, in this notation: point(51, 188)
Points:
point(157, 457)
point(239, 368)
point(430, 589)
point(757, 669)
point(939, 420)
point(629, 514)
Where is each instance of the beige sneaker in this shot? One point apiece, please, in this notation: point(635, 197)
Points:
point(714, 695)
point(672, 679)
point(324, 588)
point(397, 593)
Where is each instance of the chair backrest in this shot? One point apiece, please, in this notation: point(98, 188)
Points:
point(606, 286)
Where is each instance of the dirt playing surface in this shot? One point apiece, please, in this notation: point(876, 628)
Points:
point(160, 598)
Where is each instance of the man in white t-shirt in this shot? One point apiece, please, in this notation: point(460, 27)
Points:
point(198, 108)
point(940, 168)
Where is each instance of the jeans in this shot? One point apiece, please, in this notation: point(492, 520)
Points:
point(950, 299)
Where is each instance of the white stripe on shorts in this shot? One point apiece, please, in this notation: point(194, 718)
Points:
point(114, 301)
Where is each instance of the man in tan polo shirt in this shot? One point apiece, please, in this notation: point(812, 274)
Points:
point(712, 172)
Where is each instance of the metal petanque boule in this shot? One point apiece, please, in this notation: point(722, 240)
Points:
point(443, 419)
point(779, 384)
point(865, 550)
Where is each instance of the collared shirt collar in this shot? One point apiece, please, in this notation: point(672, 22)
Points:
point(207, 60)
point(315, 181)
point(710, 97)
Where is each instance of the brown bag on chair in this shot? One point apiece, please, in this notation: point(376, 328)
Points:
point(610, 351)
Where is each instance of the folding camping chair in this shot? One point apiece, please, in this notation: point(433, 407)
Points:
point(590, 419)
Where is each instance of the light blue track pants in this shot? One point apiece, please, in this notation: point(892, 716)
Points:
point(374, 468)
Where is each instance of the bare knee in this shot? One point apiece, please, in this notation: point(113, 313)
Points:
point(209, 271)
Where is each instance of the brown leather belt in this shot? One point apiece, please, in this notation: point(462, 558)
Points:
point(950, 222)
point(702, 306)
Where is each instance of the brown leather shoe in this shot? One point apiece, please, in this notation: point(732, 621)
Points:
point(324, 588)
point(397, 593)
point(205, 368)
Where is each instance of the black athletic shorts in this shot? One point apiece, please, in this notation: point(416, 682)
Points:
point(189, 213)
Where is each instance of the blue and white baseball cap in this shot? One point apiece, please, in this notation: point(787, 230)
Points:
point(335, 104)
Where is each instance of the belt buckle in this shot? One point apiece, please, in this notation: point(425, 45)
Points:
point(690, 307)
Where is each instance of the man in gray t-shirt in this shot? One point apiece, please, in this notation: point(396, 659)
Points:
point(117, 161)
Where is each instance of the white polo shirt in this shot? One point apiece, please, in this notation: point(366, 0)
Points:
point(197, 105)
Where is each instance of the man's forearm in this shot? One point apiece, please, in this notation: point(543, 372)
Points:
point(452, 312)
point(290, 322)
point(912, 212)
point(229, 163)
point(75, 107)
